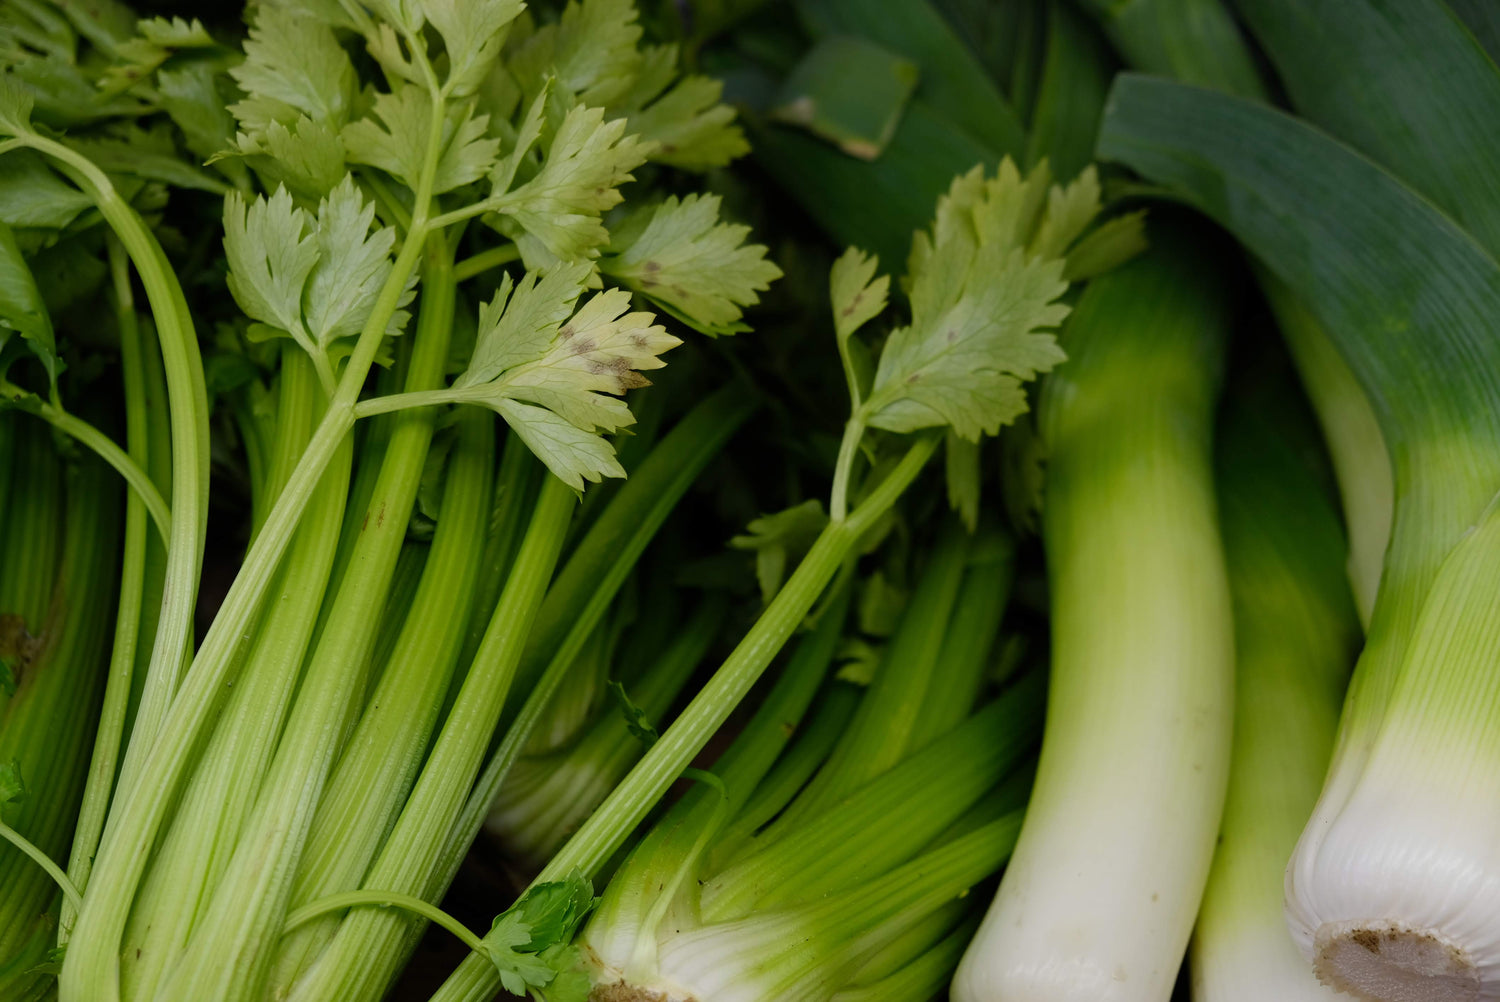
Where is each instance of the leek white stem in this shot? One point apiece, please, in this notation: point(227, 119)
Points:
point(1098, 902)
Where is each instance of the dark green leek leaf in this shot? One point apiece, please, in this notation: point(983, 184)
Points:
point(1482, 18)
point(1405, 84)
point(873, 206)
point(1192, 40)
point(1075, 79)
point(1408, 296)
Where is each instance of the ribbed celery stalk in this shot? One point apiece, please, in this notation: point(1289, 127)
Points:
point(148, 438)
point(421, 854)
point(228, 953)
point(1295, 638)
point(380, 761)
point(57, 637)
point(229, 774)
point(1098, 902)
point(548, 796)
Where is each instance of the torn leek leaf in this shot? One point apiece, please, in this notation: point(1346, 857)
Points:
point(850, 92)
point(1410, 300)
point(953, 83)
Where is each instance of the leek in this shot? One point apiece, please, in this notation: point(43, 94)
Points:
point(1295, 636)
point(1139, 709)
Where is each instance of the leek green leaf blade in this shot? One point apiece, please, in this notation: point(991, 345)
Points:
point(1404, 83)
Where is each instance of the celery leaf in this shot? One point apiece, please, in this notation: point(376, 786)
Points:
point(692, 130)
point(1110, 245)
point(272, 248)
point(986, 286)
point(694, 266)
point(303, 155)
point(558, 384)
point(779, 540)
point(15, 107)
point(12, 791)
point(528, 944)
point(518, 326)
point(636, 722)
point(396, 143)
point(560, 207)
point(591, 50)
point(352, 266)
point(472, 31)
point(22, 309)
point(293, 63)
point(858, 295)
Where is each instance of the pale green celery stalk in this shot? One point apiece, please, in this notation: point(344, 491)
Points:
point(889, 818)
point(1360, 460)
point(405, 582)
point(966, 654)
point(1296, 634)
point(155, 764)
point(547, 797)
point(114, 714)
point(379, 763)
point(230, 952)
point(668, 856)
point(159, 465)
point(606, 830)
point(598, 566)
point(407, 859)
point(574, 705)
point(923, 978)
point(228, 774)
point(881, 733)
point(835, 707)
point(584, 590)
point(1140, 710)
point(516, 483)
point(796, 954)
point(46, 728)
point(188, 408)
point(917, 938)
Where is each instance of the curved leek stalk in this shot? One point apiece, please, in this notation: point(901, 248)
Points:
point(1295, 637)
point(1098, 901)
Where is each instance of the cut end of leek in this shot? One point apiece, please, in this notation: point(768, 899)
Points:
point(1386, 962)
point(621, 992)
